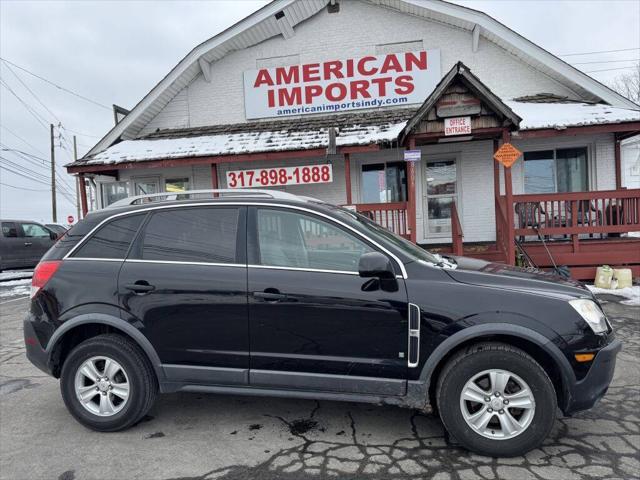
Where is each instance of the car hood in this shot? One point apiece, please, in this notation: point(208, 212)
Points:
point(479, 272)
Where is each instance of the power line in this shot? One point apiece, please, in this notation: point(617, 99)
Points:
point(25, 188)
point(4, 167)
point(602, 51)
point(33, 94)
point(608, 61)
point(80, 133)
point(25, 156)
point(610, 69)
point(56, 85)
point(23, 140)
point(37, 116)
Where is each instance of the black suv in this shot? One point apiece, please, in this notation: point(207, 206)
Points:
point(271, 294)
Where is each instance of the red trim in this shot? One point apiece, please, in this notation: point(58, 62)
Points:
point(585, 130)
point(508, 190)
point(83, 195)
point(347, 177)
point(478, 132)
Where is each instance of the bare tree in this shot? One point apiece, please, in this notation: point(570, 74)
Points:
point(628, 84)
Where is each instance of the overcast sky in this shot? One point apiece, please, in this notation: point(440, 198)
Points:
point(115, 52)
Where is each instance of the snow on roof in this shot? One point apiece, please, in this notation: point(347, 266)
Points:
point(243, 143)
point(559, 115)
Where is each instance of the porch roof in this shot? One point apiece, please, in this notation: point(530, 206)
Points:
point(352, 129)
point(363, 128)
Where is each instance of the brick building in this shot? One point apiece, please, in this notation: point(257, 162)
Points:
point(352, 85)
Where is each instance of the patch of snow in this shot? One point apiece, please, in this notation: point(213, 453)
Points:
point(14, 288)
point(553, 115)
point(245, 142)
point(632, 294)
point(9, 274)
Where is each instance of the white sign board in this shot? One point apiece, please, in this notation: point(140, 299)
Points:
point(457, 126)
point(412, 155)
point(273, 177)
point(336, 85)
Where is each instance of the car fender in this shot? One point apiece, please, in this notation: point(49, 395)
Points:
point(118, 324)
point(418, 389)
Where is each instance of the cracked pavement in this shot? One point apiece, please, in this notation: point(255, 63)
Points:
point(194, 436)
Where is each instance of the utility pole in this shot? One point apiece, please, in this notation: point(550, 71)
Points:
point(53, 178)
point(75, 159)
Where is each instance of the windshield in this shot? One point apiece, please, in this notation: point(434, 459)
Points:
point(380, 233)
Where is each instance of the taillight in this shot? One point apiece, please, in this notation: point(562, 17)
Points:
point(42, 274)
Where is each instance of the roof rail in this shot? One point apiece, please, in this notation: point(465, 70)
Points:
point(169, 196)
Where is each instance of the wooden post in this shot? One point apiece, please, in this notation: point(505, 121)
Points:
point(617, 161)
point(75, 159)
point(508, 190)
point(214, 177)
point(83, 195)
point(411, 193)
point(347, 177)
point(496, 196)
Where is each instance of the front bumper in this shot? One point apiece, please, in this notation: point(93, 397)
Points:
point(585, 393)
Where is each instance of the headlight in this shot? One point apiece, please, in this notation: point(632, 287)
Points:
point(591, 313)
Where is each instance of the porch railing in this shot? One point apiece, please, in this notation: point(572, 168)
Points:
point(392, 216)
point(594, 213)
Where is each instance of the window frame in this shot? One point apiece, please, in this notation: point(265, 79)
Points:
point(135, 251)
point(253, 246)
point(385, 164)
point(104, 224)
point(544, 148)
point(103, 195)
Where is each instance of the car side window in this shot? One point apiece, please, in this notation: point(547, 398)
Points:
point(112, 240)
point(203, 235)
point(296, 240)
point(9, 229)
point(33, 230)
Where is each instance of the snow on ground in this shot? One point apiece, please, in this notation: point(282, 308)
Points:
point(8, 275)
point(632, 294)
point(15, 288)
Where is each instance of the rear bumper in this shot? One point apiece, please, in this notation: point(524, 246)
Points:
point(585, 393)
point(35, 353)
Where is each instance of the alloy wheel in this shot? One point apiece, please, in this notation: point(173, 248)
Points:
point(102, 386)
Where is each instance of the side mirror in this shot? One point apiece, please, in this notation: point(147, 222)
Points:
point(375, 265)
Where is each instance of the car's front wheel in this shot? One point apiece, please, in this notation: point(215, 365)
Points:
point(107, 383)
point(496, 400)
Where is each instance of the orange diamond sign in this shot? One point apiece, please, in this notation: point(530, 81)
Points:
point(507, 155)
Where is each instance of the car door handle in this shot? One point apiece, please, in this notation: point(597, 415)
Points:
point(139, 287)
point(270, 296)
point(27, 244)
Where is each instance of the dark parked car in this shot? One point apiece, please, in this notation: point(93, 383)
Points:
point(270, 294)
point(59, 230)
point(23, 243)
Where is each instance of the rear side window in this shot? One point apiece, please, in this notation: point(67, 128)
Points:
point(205, 235)
point(9, 229)
point(111, 240)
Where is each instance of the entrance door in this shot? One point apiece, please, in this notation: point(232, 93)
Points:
point(314, 323)
point(441, 180)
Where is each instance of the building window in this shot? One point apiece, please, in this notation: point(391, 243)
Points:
point(176, 184)
point(552, 171)
point(384, 182)
point(114, 191)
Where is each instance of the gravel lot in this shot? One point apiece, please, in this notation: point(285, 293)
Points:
point(192, 436)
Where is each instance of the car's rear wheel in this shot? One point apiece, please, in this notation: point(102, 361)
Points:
point(496, 400)
point(107, 383)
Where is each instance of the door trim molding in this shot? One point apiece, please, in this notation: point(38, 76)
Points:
point(195, 374)
point(328, 383)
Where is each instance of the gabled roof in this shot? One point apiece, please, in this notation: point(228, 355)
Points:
point(461, 72)
point(262, 25)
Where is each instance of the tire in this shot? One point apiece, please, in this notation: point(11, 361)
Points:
point(133, 375)
point(477, 366)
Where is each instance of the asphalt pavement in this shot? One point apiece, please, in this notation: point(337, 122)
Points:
point(194, 436)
